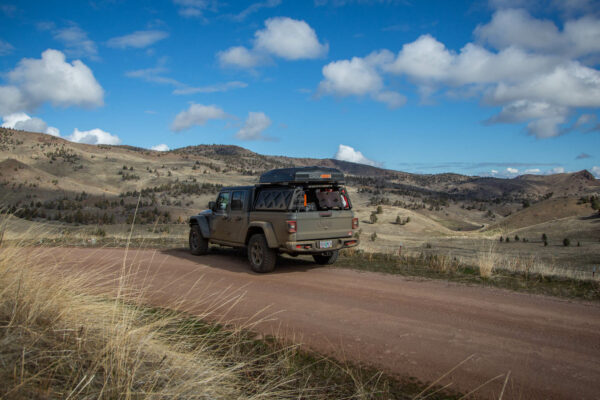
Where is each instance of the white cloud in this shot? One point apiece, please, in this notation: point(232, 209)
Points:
point(359, 77)
point(5, 48)
point(76, 41)
point(556, 170)
point(220, 87)
point(290, 39)
point(596, 171)
point(239, 57)
point(24, 122)
point(534, 75)
point(282, 37)
point(347, 153)
point(154, 75)
point(196, 114)
point(494, 172)
point(515, 27)
point(512, 170)
point(533, 171)
point(138, 39)
point(160, 147)
point(93, 136)
point(50, 79)
point(253, 128)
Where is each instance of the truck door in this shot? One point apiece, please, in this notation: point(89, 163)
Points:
point(238, 217)
point(220, 223)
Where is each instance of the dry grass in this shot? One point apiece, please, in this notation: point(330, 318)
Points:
point(487, 259)
point(58, 342)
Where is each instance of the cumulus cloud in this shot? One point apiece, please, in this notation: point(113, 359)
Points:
point(255, 125)
point(516, 28)
point(5, 48)
point(282, 37)
point(533, 74)
point(160, 147)
point(532, 171)
point(512, 170)
point(50, 79)
point(290, 39)
point(138, 39)
point(24, 122)
point(196, 114)
point(359, 77)
point(596, 171)
point(93, 136)
point(347, 153)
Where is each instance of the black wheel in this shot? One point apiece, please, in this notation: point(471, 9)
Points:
point(262, 258)
point(327, 258)
point(198, 245)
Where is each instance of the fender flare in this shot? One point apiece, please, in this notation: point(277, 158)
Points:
point(202, 222)
point(267, 228)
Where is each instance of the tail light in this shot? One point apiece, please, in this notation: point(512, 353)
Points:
point(292, 226)
point(354, 223)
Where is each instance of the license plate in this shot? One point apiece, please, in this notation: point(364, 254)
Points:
point(325, 244)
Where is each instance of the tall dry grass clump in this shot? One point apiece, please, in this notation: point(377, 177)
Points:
point(487, 258)
point(59, 341)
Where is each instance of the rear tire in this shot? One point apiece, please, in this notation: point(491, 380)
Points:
point(198, 245)
point(262, 258)
point(327, 258)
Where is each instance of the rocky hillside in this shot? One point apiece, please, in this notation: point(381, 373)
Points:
point(57, 178)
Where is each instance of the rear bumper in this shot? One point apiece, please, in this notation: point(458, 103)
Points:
point(313, 246)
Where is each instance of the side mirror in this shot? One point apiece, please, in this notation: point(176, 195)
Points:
point(212, 205)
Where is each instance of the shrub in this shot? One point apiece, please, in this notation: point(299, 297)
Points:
point(501, 239)
point(398, 220)
point(566, 242)
point(507, 240)
point(516, 238)
point(373, 218)
point(373, 236)
point(544, 237)
point(379, 210)
point(545, 243)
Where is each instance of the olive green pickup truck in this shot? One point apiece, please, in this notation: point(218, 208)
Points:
point(291, 210)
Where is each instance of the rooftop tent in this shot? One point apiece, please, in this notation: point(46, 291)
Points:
point(302, 175)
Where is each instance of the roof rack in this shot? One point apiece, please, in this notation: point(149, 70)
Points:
point(313, 174)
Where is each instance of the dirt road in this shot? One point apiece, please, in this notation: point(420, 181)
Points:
point(406, 327)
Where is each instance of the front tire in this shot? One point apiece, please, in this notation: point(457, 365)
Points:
point(262, 258)
point(198, 245)
point(327, 258)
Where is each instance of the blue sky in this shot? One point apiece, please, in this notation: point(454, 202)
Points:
point(499, 88)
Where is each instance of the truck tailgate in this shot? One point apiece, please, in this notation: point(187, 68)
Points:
point(324, 224)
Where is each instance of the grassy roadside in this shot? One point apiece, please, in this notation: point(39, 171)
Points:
point(523, 277)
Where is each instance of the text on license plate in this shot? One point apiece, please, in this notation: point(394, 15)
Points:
point(325, 244)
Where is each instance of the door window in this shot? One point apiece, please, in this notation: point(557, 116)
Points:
point(237, 201)
point(223, 201)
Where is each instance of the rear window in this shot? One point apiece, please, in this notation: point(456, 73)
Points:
point(322, 199)
point(274, 199)
point(303, 198)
